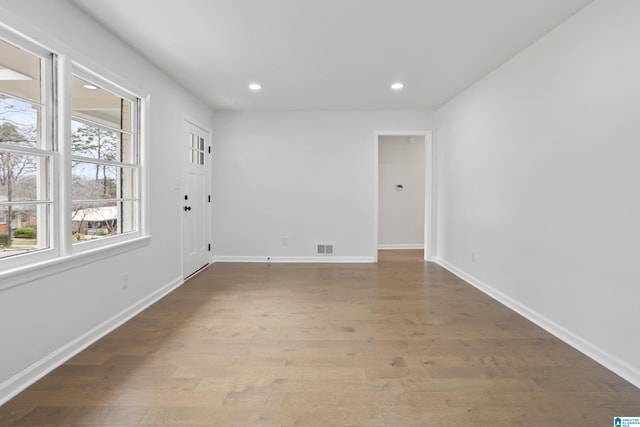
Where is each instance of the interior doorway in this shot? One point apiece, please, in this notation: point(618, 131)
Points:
point(404, 191)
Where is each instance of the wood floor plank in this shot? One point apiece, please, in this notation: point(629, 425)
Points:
point(397, 343)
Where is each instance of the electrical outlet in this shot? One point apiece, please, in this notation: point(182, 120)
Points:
point(473, 256)
point(285, 241)
point(125, 281)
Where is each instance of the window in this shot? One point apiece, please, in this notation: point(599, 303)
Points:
point(78, 187)
point(105, 167)
point(197, 149)
point(26, 151)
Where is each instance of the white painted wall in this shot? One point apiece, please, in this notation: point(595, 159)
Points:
point(44, 321)
point(284, 181)
point(539, 174)
point(401, 213)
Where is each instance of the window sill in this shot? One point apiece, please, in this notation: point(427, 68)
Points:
point(28, 273)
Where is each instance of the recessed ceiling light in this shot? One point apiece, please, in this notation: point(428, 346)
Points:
point(255, 86)
point(90, 87)
point(397, 86)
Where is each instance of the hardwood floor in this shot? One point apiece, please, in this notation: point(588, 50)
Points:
point(400, 343)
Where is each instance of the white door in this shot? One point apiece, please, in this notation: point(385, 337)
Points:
point(196, 199)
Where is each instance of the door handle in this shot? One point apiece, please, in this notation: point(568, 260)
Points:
point(187, 208)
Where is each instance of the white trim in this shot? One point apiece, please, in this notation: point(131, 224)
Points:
point(37, 270)
point(429, 198)
point(302, 259)
point(430, 203)
point(603, 357)
point(23, 379)
point(144, 136)
point(63, 175)
point(394, 246)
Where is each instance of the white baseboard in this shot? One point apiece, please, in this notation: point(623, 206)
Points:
point(23, 379)
point(603, 357)
point(309, 259)
point(394, 246)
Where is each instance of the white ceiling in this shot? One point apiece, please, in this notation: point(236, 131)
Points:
point(329, 54)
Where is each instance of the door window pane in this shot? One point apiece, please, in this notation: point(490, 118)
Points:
point(197, 149)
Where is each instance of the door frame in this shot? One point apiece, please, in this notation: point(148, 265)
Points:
point(183, 174)
point(429, 201)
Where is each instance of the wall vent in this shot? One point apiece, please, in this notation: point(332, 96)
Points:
point(324, 249)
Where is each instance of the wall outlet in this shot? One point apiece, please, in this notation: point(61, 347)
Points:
point(473, 256)
point(285, 240)
point(125, 281)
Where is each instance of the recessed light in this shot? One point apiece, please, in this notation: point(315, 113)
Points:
point(397, 86)
point(90, 87)
point(255, 86)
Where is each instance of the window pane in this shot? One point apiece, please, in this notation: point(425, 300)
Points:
point(129, 213)
point(93, 181)
point(127, 181)
point(97, 181)
point(127, 153)
point(23, 177)
point(94, 220)
point(19, 72)
point(90, 102)
point(18, 122)
point(19, 228)
point(94, 142)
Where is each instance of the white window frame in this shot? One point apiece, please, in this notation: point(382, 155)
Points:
point(61, 255)
point(136, 101)
point(48, 149)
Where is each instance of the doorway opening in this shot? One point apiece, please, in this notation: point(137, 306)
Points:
point(403, 190)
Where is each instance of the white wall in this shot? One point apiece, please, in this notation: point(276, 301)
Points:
point(284, 181)
point(539, 175)
point(401, 213)
point(44, 321)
